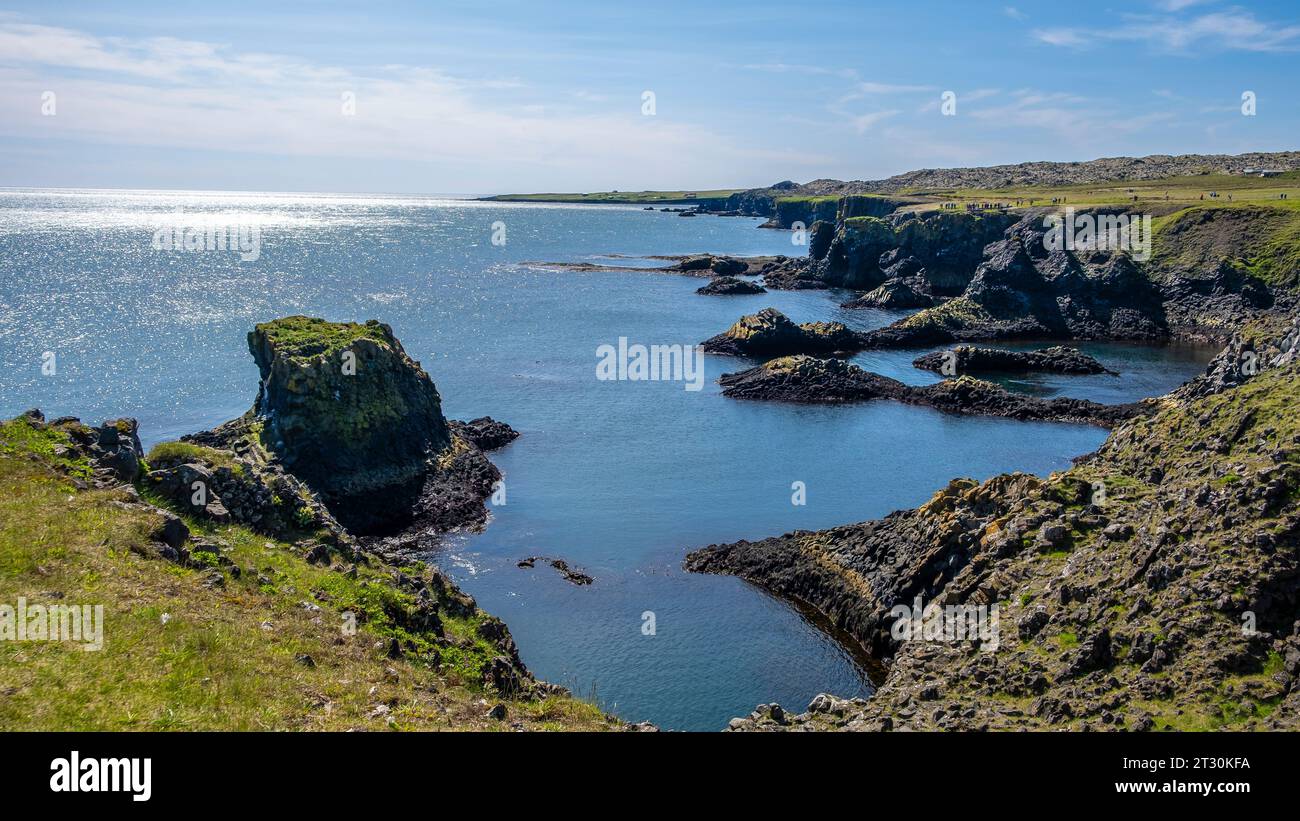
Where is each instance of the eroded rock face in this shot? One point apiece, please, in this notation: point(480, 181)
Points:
point(895, 295)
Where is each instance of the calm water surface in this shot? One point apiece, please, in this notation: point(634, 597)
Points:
point(620, 479)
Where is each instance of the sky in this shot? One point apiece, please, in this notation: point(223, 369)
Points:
point(503, 96)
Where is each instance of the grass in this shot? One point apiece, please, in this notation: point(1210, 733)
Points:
point(179, 655)
point(624, 197)
point(306, 338)
point(1181, 191)
point(168, 453)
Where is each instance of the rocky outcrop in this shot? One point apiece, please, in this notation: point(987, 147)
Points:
point(730, 286)
point(1023, 290)
point(1152, 586)
point(111, 451)
point(770, 333)
point(711, 266)
point(342, 408)
point(971, 359)
point(938, 250)
point(808, 379)
point(803, 378)
point(485, 433)
point(227, 487)
point(895, 295)
point(967, 395)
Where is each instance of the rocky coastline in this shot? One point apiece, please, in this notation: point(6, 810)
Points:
point(346, 460)
point(1122, 585)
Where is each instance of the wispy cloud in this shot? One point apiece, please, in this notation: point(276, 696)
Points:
point(865, 122)
point(174, 93)
point(1233, 29)
point(1014, 13)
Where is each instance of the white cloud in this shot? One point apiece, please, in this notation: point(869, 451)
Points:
point(1014, 13)
point(172, 93)
point(889, 88)
point(1234, 29)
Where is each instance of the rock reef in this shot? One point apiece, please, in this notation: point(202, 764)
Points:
point(805, 378)
point(970, 359)
point(729, 286)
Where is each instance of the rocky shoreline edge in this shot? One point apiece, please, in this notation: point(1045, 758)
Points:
point(1149, 587)
point(346, 457)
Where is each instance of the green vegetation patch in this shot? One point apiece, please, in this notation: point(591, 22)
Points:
point(306, 338)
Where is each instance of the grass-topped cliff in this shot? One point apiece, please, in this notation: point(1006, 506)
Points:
point(246, 634)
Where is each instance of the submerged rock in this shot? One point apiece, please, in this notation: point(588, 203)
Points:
point(570, 574)
point(710, 265)
point(970, 359)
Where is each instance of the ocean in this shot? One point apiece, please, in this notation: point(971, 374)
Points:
point(620, 478)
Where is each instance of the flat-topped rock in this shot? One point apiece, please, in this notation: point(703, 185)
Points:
point(347, 411)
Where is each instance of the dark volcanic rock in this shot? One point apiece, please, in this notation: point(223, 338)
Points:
point(348, 412)
point(967, 395)
point(970, 359)
point(808, 379)
point(895, 295)
point(725, 286)
point(771, 333)
point(1119, 584)
point(485, 432)
point(344, 409)
point(570, 574)
point(804, 378)
point(709, 265)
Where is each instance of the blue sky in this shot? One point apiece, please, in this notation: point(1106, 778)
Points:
point(487, 97)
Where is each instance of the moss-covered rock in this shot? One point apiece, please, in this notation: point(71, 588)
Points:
point(771, 333)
